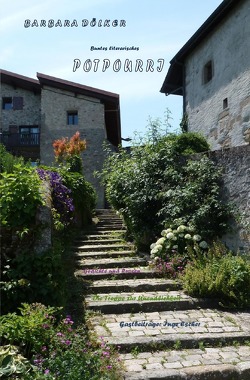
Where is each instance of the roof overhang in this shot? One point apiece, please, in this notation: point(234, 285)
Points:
point(19, 81)
point(174, 81)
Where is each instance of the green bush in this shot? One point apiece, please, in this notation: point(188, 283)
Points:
point(83, 193)
point(53, 345)
point(8, 161)
point(20, 197)
point(189, 143)
point(196, 198)
point(12, 363)
point(221, 276)
point(30, 329)
point(155, 186)
point(30, 277)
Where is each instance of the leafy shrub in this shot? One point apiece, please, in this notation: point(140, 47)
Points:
point(68, 151)
point(154, 186)
point(190, 142)
point(82, 192)
point(8, 161)
point(20, 197)
point(31, 329)
point(12, 363)
point(196, 199)
point(220, 276)
point(34, 278)
point(55, 347)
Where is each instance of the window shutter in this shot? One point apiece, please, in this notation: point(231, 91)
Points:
point(17, 103)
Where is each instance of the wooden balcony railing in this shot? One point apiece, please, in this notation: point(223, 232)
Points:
point(13, 140)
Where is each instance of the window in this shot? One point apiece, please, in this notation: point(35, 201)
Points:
point(29, 135)
point(72, 117)
point(208, 72)
point(15, 103)
point(7, 104)
point(225, 103)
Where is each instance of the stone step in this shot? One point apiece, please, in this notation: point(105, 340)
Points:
point(105, 233)
point(117, 227)
point(178, 329)
point(108, 217)
point(112, 235)
point(96, 241)
point(102, 247)
point(176, 337)
point(119, 262)
point(111, 303)
point(117, 273)
point(215, 363)
point(135, 285)
point(104, 254)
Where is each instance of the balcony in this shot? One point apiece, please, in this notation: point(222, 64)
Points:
point(26, 145)
point(14, 140)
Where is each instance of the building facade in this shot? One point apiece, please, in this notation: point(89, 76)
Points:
point(212, 73)
point(34, 113)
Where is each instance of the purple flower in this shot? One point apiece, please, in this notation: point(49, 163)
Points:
point(62, 202)
point(105, 353)
point(46, 372)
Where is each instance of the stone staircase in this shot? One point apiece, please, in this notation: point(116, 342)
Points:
point(161, 332)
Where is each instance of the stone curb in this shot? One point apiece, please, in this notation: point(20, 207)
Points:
point(112, 263)
point(100, 247)
point(186, 341)
point(146, 306)
point(103, 254)
point(139, 273)
point(211, 372)
point(136, 286)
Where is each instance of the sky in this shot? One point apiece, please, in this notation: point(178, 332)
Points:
point(152, 30)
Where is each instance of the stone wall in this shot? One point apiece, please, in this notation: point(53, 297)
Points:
point(236, 190)
point(91, 125)
point(220, 108)
point(29, 115)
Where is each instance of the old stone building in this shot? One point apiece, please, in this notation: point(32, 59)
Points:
point(212, 73)
point(36, 112)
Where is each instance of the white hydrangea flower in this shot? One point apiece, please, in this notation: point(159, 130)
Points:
point(181, 228)
point(175, 246)
point(196, 237)
point(156, 249)
point(188, 237)
point(152, 245)
point(161, 241)
point(203, 244)
point(170, 235)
